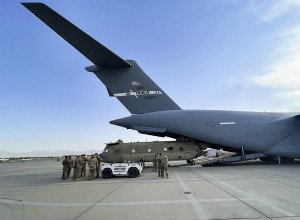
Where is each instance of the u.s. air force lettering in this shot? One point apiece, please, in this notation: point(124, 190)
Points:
point(140, 88)
point(146, 94)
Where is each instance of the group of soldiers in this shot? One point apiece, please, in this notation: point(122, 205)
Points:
point(79, 165)
point(160, 164)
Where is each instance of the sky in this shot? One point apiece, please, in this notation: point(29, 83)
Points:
point(215, 55)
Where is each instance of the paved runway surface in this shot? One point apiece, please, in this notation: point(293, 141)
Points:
point(33, 190)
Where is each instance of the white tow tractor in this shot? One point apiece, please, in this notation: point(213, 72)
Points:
point(132, 169)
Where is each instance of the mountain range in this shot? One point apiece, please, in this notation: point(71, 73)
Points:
point(4, 154)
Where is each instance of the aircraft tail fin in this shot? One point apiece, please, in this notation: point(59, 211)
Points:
point(123, 79)
point(86, 45)
point(134, 89)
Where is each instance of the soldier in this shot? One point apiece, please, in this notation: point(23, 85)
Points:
point(142, 161)
point(70, 166)
point(75, 167)
point(154, 163)
point(66, 165)
point(93, 163)
point(164, 166)
point(79, 166)
point(159, 165)
point(99, 164)
point(85, 160)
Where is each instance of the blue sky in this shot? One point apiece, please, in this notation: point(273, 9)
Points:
point(225, 55)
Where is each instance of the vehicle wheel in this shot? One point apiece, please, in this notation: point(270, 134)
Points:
point(133, 172)
point(107, 173)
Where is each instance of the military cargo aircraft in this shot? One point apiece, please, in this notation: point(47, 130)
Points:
point(155, 113)
point(119, 152)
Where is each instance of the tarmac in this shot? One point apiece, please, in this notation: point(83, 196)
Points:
point(249, 190)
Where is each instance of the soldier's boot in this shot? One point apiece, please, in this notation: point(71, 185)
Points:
point(167, 175)
point(64, 176)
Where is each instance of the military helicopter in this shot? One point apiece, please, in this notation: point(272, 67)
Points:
point(119, 152)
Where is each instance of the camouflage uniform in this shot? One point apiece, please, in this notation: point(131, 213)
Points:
point(85, 160)
point(154, 162)
point(66, 164)
point(75, 167)
point(159, 165)
point(164, 165)
point(98, 166)
point(80, 164)
point(70, 166)
point(93, 163)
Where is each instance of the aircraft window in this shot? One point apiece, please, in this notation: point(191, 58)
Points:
point(181, 148)
point(165, 149)
point(149, 150)
point(170, 148)
point(133, 150)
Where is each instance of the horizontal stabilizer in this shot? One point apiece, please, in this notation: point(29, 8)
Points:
point(86, 45)
point(134, 89)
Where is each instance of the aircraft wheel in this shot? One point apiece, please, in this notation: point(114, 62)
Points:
point(286, 160)
point(107, 173)
point(133, 172)
point(268, 159)
point(190, 162)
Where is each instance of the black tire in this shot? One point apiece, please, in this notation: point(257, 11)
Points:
point(286, 160)
point(107, 173)
point(133, 172)
point(190, 162)
point(267, 159)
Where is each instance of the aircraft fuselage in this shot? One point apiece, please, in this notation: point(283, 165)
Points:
point(270, 133)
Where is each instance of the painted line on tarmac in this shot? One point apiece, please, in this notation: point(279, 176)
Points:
point(265, 202)
point(158, 202)
point(199, 211)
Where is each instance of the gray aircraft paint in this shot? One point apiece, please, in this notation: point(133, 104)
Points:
point(258, 132)
point(157, 114)
point(134, 89)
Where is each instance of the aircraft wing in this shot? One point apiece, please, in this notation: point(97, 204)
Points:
point(86, 45)
point(291, 118)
